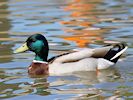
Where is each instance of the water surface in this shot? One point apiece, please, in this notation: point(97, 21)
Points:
point(67, 24)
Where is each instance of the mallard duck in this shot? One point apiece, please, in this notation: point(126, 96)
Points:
point(77, 60)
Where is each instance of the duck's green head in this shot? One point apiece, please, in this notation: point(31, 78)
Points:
point(38, 44)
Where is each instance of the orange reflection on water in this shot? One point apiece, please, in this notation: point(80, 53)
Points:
point(81, 40)
point(84, 37)
point(79, 6)
point(76, 22)
point(83, 15)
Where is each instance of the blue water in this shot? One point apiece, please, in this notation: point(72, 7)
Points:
point(67, 24)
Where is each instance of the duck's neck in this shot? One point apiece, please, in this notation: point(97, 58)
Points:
point(41, 56)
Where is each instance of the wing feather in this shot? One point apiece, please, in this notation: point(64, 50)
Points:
point(71, 57)
point(101, 52)
point(80, 54)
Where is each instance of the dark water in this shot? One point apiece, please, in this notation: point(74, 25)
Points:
point(67, 24)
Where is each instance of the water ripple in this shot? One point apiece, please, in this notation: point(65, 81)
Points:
point(67, 24)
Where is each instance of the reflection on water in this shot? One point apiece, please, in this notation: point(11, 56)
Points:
point(82, 19)
point(4, 36)
point(67, 24)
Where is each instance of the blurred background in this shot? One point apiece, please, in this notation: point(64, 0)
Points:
point(67, 24)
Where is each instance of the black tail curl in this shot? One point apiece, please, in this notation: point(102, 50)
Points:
point(114, 53)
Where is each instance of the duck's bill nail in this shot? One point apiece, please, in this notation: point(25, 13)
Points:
point(23, 48)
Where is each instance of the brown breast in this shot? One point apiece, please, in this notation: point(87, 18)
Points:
point(38, 69)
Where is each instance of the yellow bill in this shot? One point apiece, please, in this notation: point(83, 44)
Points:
point(23, 48)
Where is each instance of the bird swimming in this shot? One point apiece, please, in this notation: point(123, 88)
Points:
point(78, 60)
